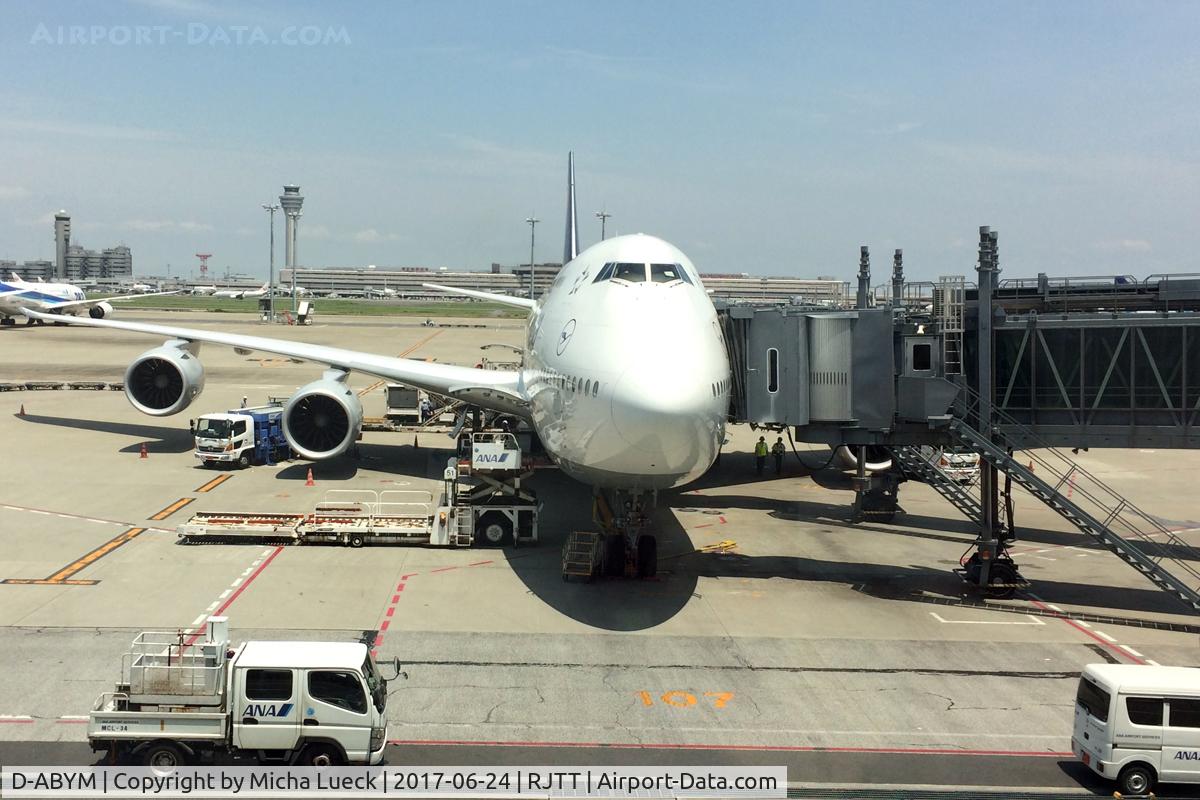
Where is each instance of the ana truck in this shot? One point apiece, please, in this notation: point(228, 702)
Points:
point(242, 436)
point(182, 699)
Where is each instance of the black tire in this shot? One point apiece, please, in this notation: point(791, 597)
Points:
point(164, 756)
point(356, 540)
point(243, 461)
point(1000, 580)
point(321, 755)
point(493, 529)
point(1136, 779)
point(614, 556)
point(647, 556)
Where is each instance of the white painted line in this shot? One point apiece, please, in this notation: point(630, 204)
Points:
point(1056, 608)
point(212, 607)
point(1106, 636)
point(225, 594)
point(36, 511)
point(237, 582)
point(1082, 624)
point(1033, 621)
point(1131, 651)
point(198, 621)
point(248, 570)
point(15, 717)
point(72, 716)
point(1152, 662)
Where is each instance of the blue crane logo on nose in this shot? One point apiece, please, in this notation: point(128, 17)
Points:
point(564, 338)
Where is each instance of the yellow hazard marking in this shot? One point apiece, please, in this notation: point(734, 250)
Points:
point(63, 576)
point(171, 509)
point(723, 546)
point(681, 699)
point(214, 483)
point(377, 384)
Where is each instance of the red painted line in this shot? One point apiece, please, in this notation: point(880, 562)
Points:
point(221, 610)
point(442, 569)
point(743, 747)
point(16, 721)
point(391, 611)
point(409, 575)
point(1083, 630)
point(378, 639)
point(722, 520)
point(479, 563)
point(383, 626)
point(705, 525)
point(395, 599)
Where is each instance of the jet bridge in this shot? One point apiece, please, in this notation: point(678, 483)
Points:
point(997, 367)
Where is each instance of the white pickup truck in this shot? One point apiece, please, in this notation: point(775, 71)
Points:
point(183, 698)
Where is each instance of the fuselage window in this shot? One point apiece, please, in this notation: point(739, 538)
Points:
point(665, 273)
point(772, 370)
point(605, 272)
point(587, 387)
point(634, 273)
point(596, 389)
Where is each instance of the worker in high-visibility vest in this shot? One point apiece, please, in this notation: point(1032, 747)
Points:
point(778, 451)
point(760, 455)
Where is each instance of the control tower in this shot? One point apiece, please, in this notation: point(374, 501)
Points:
point(62, 240)
point(291, 200)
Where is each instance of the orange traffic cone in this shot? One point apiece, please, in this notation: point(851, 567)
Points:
point(21, 413)
point(144, 453)
point(1031, 465)
point(416, 444)
point(309, 481)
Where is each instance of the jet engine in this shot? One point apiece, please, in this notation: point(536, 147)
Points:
point(164, 381)
point(879, 459)
point(100, 310)
point(323, 419)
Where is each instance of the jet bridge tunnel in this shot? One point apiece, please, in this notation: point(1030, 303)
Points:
point(999, 367)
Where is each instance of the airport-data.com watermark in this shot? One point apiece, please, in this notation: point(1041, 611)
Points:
point(194, 33)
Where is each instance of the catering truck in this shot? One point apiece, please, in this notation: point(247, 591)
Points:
point(1139, 724)
point(184, 698)
point(242, 436)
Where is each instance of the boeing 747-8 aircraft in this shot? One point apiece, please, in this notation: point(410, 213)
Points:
point(625, 378)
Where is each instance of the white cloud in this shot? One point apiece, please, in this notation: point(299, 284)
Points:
point(314, 231)
point(13, 192)
point(165, 225)
point(1124, 246)
point(372, 236)
point(85, 130)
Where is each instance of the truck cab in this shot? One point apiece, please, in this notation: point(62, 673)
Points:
point(242, 436)
point(326, 699)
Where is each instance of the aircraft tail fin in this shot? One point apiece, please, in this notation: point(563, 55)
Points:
point(571, 240)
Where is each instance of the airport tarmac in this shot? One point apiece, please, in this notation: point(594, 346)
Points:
point(776, 632)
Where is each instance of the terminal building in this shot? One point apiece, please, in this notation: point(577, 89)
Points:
point(406, 282)
point(72, 263)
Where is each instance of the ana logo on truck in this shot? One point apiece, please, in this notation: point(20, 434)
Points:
point(268, 710)
point(495, 458)
point(1187, 755)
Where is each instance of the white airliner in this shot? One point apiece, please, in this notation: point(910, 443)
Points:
point(625, 377)
point(204, 290)
point(17, 295)
point(240, 294)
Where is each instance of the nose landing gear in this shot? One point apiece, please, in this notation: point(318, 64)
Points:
point(630, 547)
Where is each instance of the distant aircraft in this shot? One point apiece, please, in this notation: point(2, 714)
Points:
point(143, 288)
point(204, 290)
point(17, 294)
point(381, 293)
point(625, 378)
point(240, 294)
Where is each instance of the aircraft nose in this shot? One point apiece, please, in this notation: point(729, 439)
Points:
point(657, 408)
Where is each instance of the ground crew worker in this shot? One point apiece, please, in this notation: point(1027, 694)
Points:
point(760, 455)
point(778, 450)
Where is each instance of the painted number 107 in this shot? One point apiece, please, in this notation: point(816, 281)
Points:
point(681, 699)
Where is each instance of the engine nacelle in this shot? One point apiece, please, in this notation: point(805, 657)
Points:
point(100, 310)
point(164, 380)
point(323, 419)
point(879, 459)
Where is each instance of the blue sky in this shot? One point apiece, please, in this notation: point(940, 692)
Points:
point(769, 138)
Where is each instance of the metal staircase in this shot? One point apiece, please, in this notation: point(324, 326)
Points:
point(923, 466)
point(1134, 536)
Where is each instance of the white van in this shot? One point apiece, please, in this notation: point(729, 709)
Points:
point(1139, 725)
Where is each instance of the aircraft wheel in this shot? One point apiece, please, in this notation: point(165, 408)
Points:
point(647, 556)
point(614, 556)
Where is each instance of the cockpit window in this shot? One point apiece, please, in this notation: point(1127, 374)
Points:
point(665, 273)
point(605, 272)
point(634, 273)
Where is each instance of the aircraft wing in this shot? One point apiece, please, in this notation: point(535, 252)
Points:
point(506, 299)
point(501, 390)
point(97, 301)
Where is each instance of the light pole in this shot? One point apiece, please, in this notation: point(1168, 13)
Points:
point(533, 221)
point(271, 209)
point(603, 215)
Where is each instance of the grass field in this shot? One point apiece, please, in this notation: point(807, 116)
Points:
point(372, 308)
